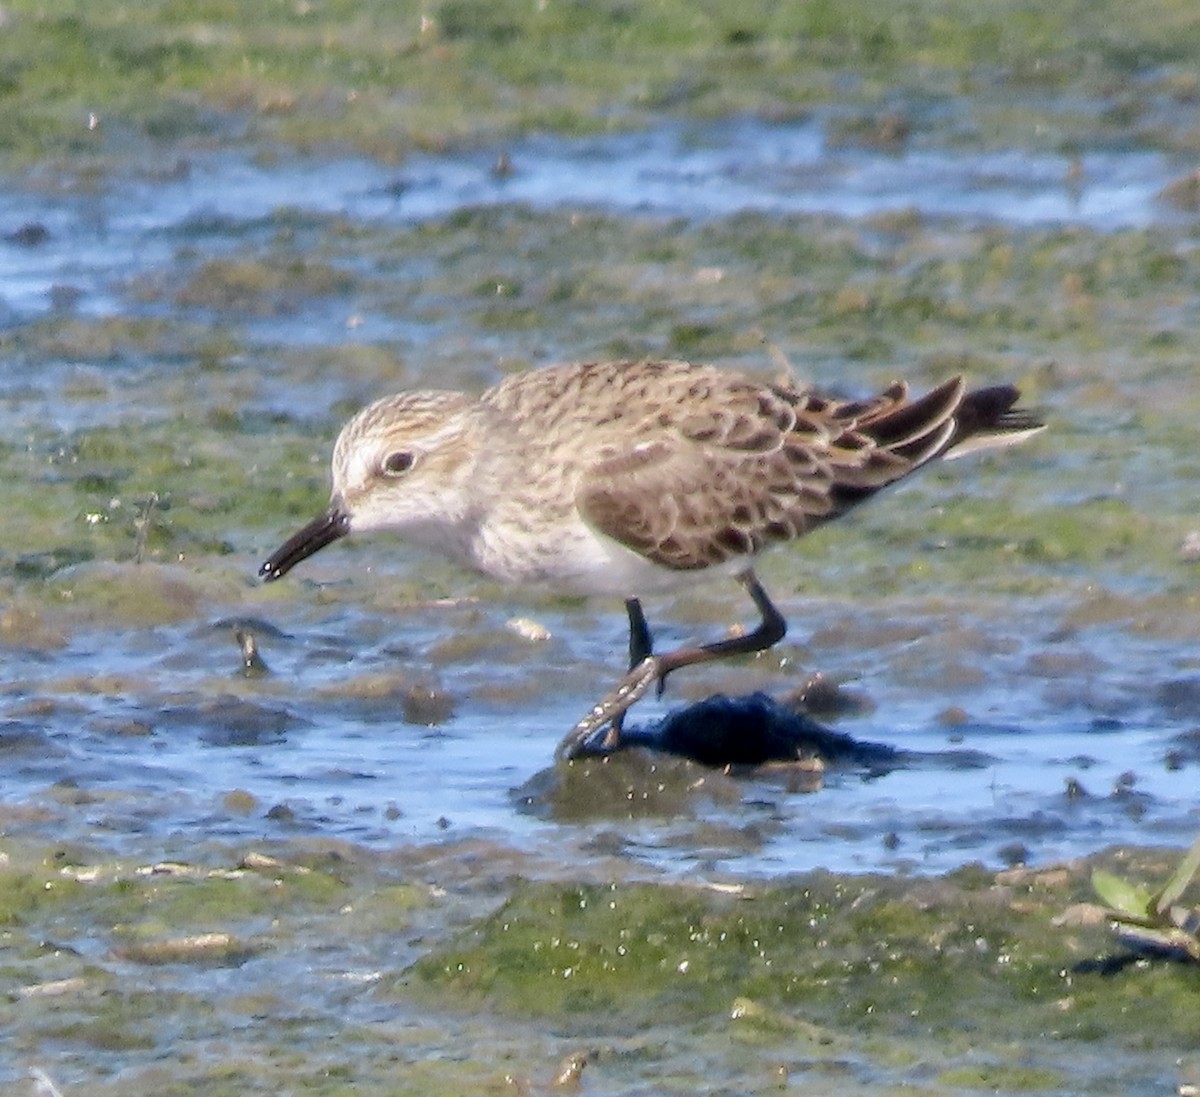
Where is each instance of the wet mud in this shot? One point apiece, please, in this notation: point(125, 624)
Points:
point(309, 837)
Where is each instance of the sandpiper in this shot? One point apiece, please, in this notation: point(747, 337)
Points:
point(626, 478)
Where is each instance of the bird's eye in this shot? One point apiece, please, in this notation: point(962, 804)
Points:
point(396, 463)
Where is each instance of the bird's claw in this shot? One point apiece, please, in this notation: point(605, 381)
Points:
point(580, 740)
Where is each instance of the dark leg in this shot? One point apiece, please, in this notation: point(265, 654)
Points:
point(770, 630)
point(641, 643)
point(641, 647)
point(652, 669)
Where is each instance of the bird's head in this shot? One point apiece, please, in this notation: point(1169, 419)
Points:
point(402, 464)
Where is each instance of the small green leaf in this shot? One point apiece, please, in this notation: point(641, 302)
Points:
point(1128, 900)
point(1180, 879)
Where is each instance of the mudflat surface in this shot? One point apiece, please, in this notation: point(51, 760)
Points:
point(221, 232)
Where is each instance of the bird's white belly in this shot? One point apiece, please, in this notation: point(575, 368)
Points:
point(578, 560)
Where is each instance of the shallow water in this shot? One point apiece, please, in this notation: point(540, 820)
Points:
point(128, 733)
point(99, 235)
point(158, 746)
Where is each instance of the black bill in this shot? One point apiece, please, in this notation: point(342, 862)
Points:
point(326, 527)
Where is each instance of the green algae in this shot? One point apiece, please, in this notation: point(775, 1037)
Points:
point(841, 948)
point(389, 77)
point(975, 979)
point(634, 784)
point(29, 890)
point(170, 487)
point(109, 339)
point(260, 288)
point(1000, 1078)
point(971, 961)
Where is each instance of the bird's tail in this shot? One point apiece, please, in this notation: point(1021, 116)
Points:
point(947, 421)
point(989, 419)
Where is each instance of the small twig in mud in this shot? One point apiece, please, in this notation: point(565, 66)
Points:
point(43, 1085)
point(787, 372)
point(570, 1070)
point(141, 527)
point(252, 663)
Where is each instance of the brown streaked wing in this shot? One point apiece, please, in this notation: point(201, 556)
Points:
point(727, 479)
point(685, 505)
point(722, 470)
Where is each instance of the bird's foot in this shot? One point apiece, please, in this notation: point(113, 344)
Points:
point(606, 716)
